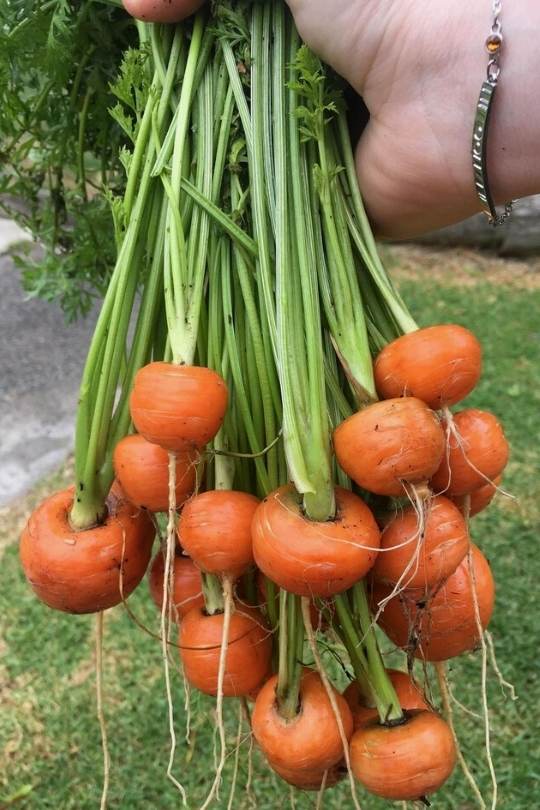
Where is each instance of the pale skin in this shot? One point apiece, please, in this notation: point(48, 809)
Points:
point(419, 65)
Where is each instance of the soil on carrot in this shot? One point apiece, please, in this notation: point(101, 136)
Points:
point(49, 736)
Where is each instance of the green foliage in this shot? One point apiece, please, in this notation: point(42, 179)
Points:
point(322, 98)
point(59, 147)
point(131, 90)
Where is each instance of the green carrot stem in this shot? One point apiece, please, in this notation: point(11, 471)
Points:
point(216, 326)
point(103, 366)
point(236, 368)
point(182, 321)
point(263, 412)
point(142, 341)
point(267, 111)
point(132, 191)
point(262, 371)
point(367, 245)
point(284, 277)
point(261, 171)
point(272, 596)
point(350, 331)
point(160, 41)
point(200, 221)
point(299, 347)
point(261, 160)
point(352, 643)
point(374, 684)
point(386, 698)
point(164, 155)
point(221, 219)
point(251, 376)
point(289, 670)
point(212, 593)
point(224, 467)
point(218, 359)
point(283, 654)
point(319, 504)
point(238, 90)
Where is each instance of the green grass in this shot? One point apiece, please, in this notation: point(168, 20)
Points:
point(48, 731)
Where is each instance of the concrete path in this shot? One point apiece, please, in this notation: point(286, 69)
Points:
point(41, 360)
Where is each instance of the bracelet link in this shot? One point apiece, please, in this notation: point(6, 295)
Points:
point(493, 71)
point(493, 45)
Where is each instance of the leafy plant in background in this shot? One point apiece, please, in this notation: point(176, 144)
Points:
point(59, 146)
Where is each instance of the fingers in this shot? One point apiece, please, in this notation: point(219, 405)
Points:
point(162, 11)
point(190, 6)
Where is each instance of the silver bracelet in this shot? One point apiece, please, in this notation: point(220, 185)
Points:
point(481, 122)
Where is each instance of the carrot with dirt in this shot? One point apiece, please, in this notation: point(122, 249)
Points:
point(440, 624)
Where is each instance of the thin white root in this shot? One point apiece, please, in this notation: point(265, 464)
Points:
point(214, 747)
point(99, 710)
point(427, 686)
point(245, 711)
point(165, 625)
point(249, 782)
point(449, 716)
point(228, 608)
point(459, 704)
point(238, 745)
point(502, 681)
point(322, 791)
point(462, 707)
point(331, 695)
point(487, 726)
point(125, 603)
point(187, 708)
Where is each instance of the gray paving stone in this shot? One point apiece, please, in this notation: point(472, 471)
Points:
point(41, 360)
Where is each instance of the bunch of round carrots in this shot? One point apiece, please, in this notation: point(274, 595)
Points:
point(272, 411)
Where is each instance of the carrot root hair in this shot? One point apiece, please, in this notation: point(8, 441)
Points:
point(504, 684)
point(166, 615)
point(187, 708)
point(459, 704)
point(228, 605)
point(237, 746)
point(485, 705)
point(99, 709)
point(306, 615)
point(131, 614)
point(321, 792)
point(249, 781)
point(444, 689)
point(292, 798)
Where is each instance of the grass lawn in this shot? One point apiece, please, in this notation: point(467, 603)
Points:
point(49, 739)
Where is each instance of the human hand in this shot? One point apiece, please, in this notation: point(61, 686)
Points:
point(418, 66)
